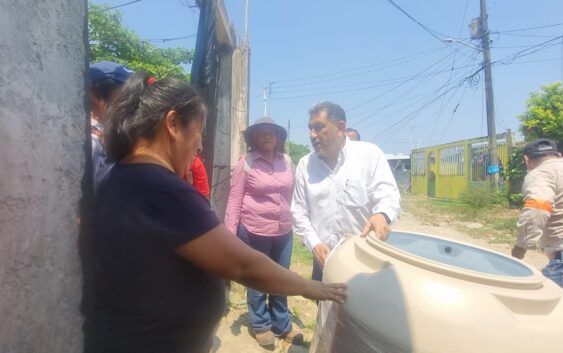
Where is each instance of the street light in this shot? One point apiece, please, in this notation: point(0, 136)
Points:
point(450, 40)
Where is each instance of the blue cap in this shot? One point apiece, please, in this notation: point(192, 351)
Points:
point(109, 69)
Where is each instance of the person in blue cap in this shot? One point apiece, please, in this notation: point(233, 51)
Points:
point(105, 80)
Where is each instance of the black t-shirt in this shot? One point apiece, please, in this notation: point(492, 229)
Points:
point(142, 296)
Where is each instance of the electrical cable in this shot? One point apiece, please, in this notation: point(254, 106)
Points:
point(373, 67)
point(531, 28)
point(399, 85)
point(164, 40)
point(125, 4)
point(370, 84)
point(404, 119)
point(537, 47)
point(432, 32)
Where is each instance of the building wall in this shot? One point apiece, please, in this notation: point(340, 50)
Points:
point(43, 134)
point(455, 184)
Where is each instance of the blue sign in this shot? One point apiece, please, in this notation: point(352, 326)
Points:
point(493, 169)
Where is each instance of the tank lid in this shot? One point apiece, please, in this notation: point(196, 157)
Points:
point(457, 259)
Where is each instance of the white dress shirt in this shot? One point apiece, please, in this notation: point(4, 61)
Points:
point(100, 164)
point(328, 203)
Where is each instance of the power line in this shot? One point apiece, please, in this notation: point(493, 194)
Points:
point(404, 120)
point(418, 74)
point(423, 26)
point(534, 49)
point(360, 86)
point(164, 40)
point(125, 4)
point(531, 28)
point(442, 105)
point(373, 67)
point(432, 32)
point(529, 35)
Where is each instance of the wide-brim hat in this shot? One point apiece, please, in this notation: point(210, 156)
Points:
point(265, 121)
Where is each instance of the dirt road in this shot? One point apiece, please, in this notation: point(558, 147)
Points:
point(233, 334)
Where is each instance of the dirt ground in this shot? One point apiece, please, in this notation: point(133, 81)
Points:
point(233, 334)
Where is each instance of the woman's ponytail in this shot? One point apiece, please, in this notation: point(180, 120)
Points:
point(140, 106)
point(122, 113)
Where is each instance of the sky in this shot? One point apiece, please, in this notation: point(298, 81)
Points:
point(401, 86)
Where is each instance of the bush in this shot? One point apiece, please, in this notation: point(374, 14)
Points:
point(479, 198)
point(514, 173)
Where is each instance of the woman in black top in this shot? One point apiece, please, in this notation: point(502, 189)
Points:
point(158, 251)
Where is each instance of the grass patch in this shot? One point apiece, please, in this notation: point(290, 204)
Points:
point(300, 254)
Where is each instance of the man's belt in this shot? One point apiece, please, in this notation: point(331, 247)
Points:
point(558, 255)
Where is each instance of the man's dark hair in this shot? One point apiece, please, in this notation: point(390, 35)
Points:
point(348, 130)
point(140, 107)
point(104, 87)
point(333, 111)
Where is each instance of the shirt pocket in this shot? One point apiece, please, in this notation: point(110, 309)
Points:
point(354, 194)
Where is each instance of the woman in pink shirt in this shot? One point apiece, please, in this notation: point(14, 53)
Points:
point(258, 211)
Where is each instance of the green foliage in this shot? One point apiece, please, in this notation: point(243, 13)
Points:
point(514, 172)
point(300, 254)
point(110, 40)
point(296, 151)
point(544, 115)
point(479, 198)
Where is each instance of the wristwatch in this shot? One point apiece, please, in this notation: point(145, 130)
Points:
point(387, 219)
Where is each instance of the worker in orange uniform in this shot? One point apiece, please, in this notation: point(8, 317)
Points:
point(541, 221)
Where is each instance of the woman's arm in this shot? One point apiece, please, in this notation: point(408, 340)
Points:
point(223, 255)
point(236, 194)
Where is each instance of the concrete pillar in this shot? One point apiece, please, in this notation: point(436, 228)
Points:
point(43, 137)
point(239, 110)
point(220, 176)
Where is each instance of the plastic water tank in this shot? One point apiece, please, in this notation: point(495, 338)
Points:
point(423, 294)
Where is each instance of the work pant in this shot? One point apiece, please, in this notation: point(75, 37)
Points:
point(554, 270)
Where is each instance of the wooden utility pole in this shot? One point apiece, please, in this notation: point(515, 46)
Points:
point(489, 98)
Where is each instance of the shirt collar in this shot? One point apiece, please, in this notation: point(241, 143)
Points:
point(95, 123)
point(257, 155)
point(341, 156)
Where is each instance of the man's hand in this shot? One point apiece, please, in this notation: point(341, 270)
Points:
point(379, 225)
point(321, 251)
point(518, 252)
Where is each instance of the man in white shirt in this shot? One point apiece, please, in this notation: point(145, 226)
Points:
point(342, 187)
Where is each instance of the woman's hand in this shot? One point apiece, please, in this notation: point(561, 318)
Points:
point(317, 290)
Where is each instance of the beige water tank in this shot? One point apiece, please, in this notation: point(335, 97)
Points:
point(424, 294)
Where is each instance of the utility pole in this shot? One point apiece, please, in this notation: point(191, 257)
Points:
point(493, 168)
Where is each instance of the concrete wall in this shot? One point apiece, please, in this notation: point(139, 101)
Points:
point(43, 132)
point(220, 176)
point(239, 105)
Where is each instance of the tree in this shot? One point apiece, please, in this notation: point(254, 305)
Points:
point(296, 151)
point(544, 115)
point(110, 40)
point(514, 173)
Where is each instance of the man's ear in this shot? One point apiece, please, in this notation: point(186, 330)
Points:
point(341, 126)
point(172, 123)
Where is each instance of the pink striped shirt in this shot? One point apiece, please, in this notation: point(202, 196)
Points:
point(260, 199)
